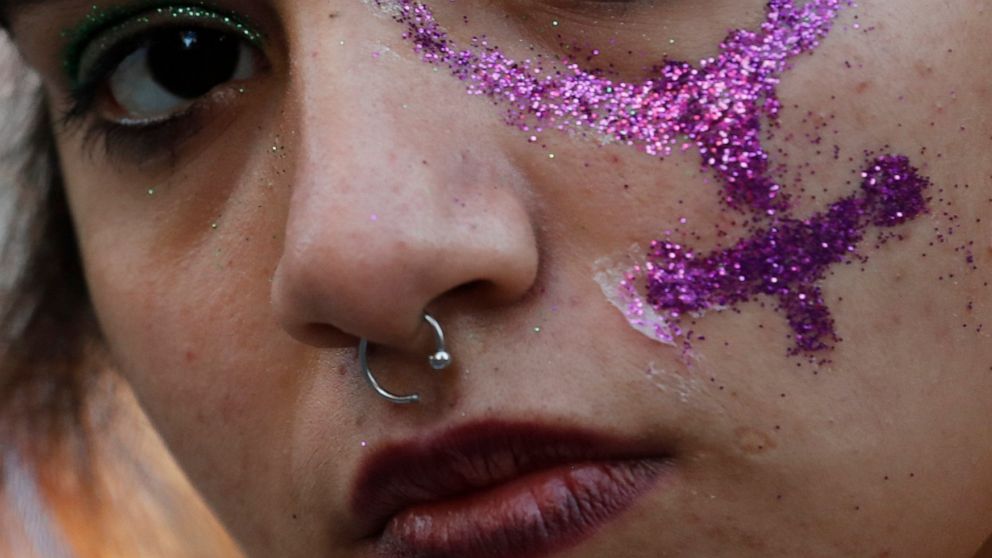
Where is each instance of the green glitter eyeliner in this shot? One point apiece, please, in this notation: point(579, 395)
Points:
point(104, 27)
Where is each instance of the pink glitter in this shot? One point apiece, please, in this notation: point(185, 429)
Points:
point(718, 106)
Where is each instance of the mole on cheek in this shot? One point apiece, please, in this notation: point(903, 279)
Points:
point(716, 108)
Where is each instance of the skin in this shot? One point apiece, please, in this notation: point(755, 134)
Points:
point(233, 298)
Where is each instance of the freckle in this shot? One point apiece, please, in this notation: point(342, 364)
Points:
point(753, 441)
point(862, 87)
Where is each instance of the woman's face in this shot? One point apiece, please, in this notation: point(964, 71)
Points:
point(258, 185)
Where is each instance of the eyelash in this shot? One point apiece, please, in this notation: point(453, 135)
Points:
point(133, 142)
point(127, 141)
point(137, 142)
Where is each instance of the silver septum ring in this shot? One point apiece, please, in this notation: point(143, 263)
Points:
point(439, 360)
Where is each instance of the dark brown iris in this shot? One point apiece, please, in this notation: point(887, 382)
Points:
point(189, 63)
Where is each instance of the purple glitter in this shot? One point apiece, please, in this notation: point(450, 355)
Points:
point(717, 107)
point(788, 259)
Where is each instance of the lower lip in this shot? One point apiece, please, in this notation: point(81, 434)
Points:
point(528, 517)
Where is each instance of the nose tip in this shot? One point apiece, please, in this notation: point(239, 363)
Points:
point(390, 213)
point(376, 279)
point(369, 291)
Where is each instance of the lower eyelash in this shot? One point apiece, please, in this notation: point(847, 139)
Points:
point(135, 143)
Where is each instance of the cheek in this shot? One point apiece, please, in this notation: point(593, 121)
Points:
point(180, 281)
point(913, 288)
point(183, 334)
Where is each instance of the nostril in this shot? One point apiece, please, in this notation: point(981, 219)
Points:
point(479, 292)
point(486, 291)
point(323, 335)
point(472, 288)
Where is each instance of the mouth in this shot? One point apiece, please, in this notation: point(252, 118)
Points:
point(498, 490)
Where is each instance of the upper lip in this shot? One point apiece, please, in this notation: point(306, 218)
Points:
point(468, 459)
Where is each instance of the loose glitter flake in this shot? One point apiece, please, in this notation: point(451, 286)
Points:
point(717, 107)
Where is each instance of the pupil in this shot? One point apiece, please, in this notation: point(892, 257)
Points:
point(189, 63)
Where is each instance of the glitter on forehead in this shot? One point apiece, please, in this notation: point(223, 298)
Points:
point(716, 107)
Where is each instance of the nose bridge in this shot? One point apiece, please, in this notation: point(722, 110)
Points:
point(353, 132)
point(363, 205)
point(377, 226)
point(358, 174)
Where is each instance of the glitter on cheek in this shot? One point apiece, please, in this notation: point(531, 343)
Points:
point(716, 107)
point(621, 280)
point(788, 259)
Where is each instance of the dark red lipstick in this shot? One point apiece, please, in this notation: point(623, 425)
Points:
point(498, 490)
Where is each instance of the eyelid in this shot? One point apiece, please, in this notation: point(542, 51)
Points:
point(119, 28)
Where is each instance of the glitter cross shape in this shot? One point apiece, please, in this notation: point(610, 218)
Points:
point(717, 107)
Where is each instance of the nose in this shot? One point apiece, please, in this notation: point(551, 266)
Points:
point(393, 207)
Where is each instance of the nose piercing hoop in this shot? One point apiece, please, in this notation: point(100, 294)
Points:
point(440, 360)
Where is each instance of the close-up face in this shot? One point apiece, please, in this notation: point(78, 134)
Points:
point(713, 275)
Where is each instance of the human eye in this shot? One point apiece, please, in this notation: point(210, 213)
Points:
point(140, 80)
